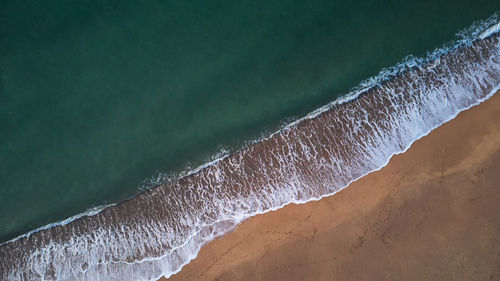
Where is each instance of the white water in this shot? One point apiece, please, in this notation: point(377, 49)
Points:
point(299, 167)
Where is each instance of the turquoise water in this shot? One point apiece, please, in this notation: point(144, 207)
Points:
point(96, 98)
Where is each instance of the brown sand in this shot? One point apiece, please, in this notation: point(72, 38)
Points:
point(432, 214)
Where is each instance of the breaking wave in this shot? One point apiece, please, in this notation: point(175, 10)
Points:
point(163, 228)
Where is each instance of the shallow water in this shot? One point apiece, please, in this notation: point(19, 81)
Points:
point(97, 98)
point(160, 230)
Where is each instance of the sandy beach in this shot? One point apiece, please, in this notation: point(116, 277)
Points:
point(433, 213)
point(250, 140)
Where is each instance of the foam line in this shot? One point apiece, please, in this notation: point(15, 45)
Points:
point(159, 231)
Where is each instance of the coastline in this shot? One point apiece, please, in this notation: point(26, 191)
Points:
point(431, 213)
point(159, 231)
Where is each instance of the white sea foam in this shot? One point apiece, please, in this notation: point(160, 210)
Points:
point(160, 231)
point(88, 213)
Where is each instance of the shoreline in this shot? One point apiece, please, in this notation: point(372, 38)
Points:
point(437, 196)
point(384, 76)
point(160, 230)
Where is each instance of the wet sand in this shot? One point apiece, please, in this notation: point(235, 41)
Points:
point(433, 213)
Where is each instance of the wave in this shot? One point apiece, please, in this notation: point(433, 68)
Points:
point(157, 232)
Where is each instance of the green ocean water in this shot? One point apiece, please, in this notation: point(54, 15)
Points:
point(95, 97)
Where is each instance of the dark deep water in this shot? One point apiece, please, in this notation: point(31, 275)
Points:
point(97, 97)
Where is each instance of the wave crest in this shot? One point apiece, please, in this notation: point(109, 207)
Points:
point(163, 228)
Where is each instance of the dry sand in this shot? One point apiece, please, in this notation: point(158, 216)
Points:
point(432, 214)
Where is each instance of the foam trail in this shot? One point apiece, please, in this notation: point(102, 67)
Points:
point(162, 229)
